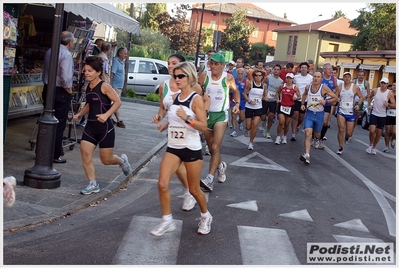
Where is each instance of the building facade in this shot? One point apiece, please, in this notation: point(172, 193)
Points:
point(305, 42)
point(265, 23)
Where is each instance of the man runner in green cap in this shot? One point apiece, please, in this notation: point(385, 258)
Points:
point(216, 84)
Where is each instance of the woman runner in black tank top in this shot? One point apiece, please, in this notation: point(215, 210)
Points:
point(101, 102)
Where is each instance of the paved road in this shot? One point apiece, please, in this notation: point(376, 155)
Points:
point(270, 207)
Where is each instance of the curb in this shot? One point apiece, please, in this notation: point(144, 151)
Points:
point(86, 201)
point(152, 103)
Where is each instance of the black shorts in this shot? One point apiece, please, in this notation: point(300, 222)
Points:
point(378, 121)
point(186, 155)
point(251, 113)
point(269, 106)
point(297, 106)
point(102, 134)
point(390, 121)
point(327, 109)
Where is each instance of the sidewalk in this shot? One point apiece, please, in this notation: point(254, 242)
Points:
point(140, 141)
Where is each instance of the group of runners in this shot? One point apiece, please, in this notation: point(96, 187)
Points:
point(202, 103)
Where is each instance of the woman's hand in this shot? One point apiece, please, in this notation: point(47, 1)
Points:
point(162, 127)
point(76, 117)
point(156, 118)
point(181, 113)
point(102, 118)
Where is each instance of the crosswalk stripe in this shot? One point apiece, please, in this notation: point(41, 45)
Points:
point(138, 247)
point(266, 246)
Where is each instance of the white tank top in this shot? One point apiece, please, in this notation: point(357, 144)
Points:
point(218, 92)
point(362, 87)
point(180, 134)
point(167, 96)
point(346, 100)
point(314, 98)
point(255, 94)
point(378, 108)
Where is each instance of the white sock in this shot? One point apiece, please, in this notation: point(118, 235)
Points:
point(206, 214)
point(167, 217)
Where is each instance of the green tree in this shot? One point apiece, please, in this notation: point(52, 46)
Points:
point(176, 29)
point(259, 51)
point(236, 35)
point(149, 18)
point(150, 45)
point(377, 27)
point(338, 14)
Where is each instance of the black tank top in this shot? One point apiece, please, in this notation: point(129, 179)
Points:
point(99, 102)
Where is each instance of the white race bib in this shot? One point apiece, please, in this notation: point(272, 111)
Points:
point(177, 134)
point(347, 104)
point(257, 100)
point(271, 95)
point(285, 109)
point(314, 101)
point(391, 112)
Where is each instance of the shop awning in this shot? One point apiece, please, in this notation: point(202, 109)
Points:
point(349, 65)
point(390, 69)
point(106, 14)
point(370, 67)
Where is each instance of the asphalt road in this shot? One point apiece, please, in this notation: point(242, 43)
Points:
point(266, 212)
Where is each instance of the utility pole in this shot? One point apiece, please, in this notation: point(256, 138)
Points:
point(128, 47)
point(199, 37)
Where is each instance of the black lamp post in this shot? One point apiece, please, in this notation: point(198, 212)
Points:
point(199, 37)
point(43, 175)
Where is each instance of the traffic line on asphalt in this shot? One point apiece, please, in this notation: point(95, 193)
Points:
point(243, 162)
point(389, 213)
point(245, 140)
point(248, 205)
point(355, 239)
point(355, 224)
point(299, 214)
point(380, 152)
point(139, 247)
point(266, 246)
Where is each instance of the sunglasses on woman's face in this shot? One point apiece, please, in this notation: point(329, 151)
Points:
point(258, 75)
point(180, 76)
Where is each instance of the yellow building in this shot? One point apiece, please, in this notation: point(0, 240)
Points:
point(376, 64)
point(305, 42)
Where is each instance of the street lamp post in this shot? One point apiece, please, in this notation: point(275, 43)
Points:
point(310, 29)
point(199, 37)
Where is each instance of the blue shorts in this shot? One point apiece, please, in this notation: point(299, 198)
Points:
point(313, 120)
point(348, 117)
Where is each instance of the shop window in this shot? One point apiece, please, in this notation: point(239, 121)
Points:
point(255, 33)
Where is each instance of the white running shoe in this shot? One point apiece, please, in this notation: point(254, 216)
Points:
point(240, 126)
point(385, 150)
point(368, 150)
point(340, 150)
point(393, 142)
point(305, 157)
point(284, 140)
point(222, 172)
point(250, 146)
point(164, 227)
point(204, 226)
point(246, 133)
point(316, 143)
point(278, 140)
point(234, 133)
point(207, 183)
point(373, 151)
point(321, 145)
point(268, 136)
point(188, 202)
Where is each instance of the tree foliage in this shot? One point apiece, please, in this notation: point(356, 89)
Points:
point(237, 33)
point(150, 45)
point(338, 14)
point(176, 29)
point(377, 27)
point(259, 51)
point(149, 18)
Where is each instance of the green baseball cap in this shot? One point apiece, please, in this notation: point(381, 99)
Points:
point(217, 57)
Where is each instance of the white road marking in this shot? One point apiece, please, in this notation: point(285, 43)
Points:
point(389, 213)
point(355, 224)
point(242, 162)
point(266, 246)
point(355, 239)
point(139, 247)
point(300, 215)
point(248, 205)
point(380, 152)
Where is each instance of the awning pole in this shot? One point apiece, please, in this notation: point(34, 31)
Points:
point(128, 47)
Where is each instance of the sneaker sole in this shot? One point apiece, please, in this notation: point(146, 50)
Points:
point(304, 159)
point(198, 232)
point(92, 192)
point(203, 185)
point(166, 231)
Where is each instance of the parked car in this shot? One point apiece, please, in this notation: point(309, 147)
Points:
point(145, 75)
point(365, 117)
